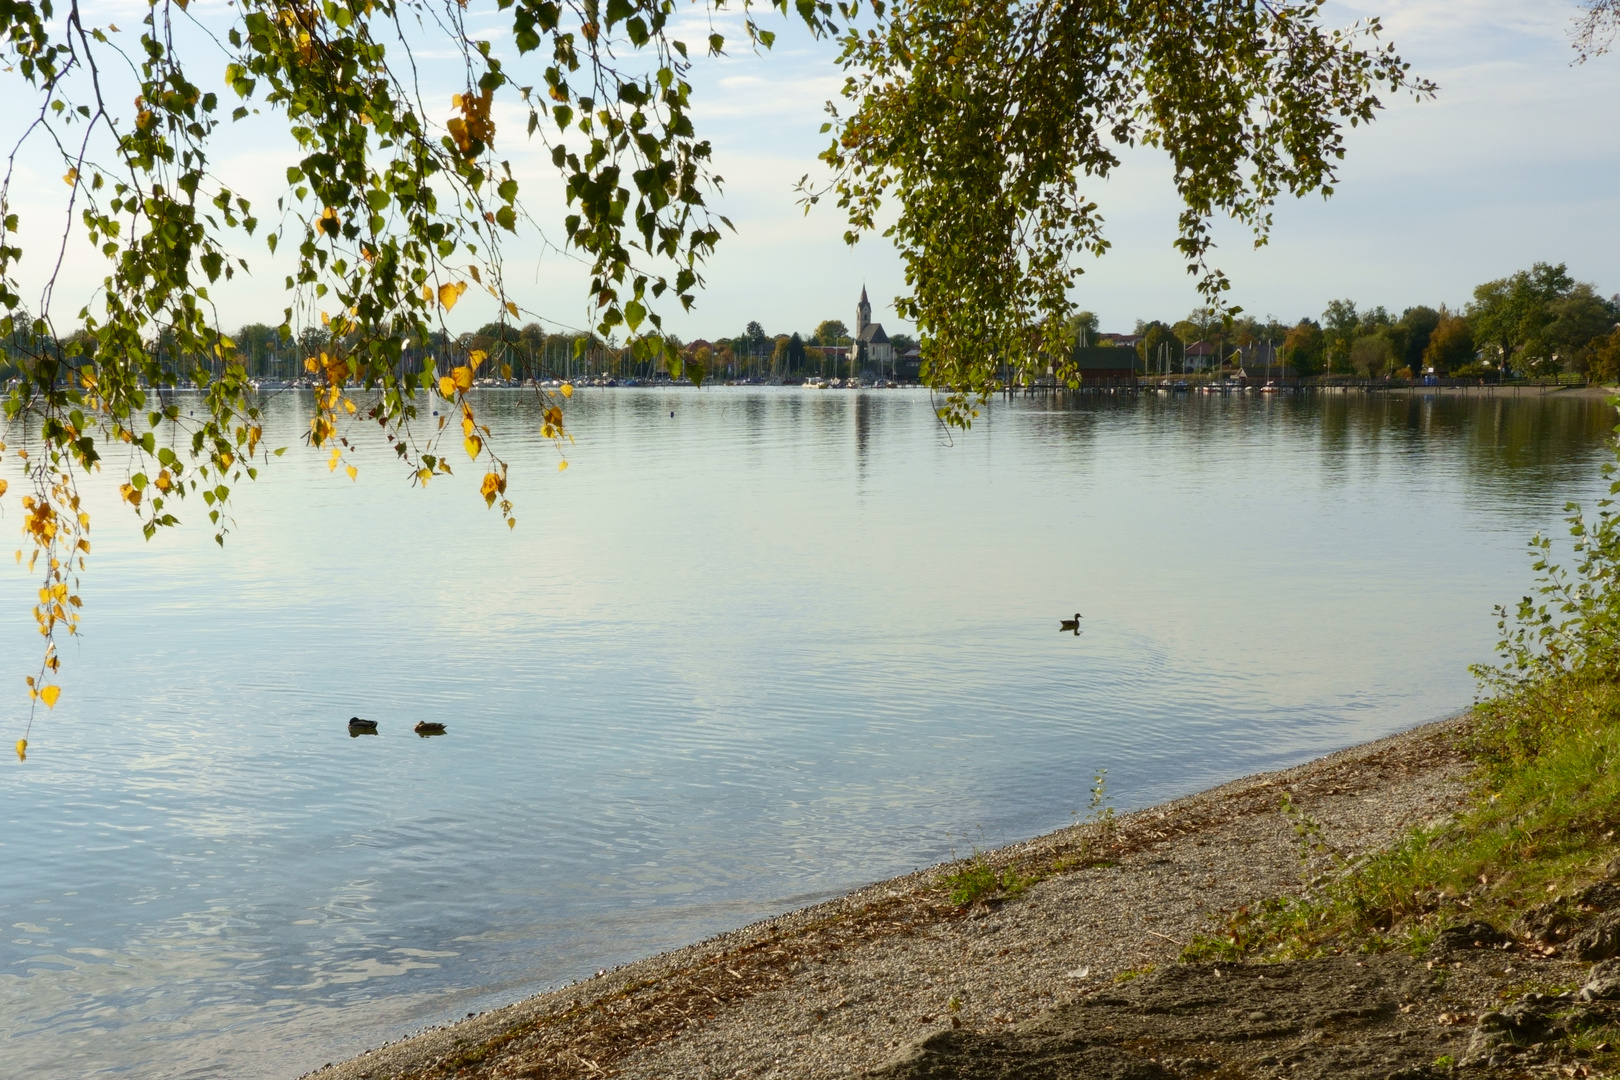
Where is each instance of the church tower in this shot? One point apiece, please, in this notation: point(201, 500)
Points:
point(863, 315)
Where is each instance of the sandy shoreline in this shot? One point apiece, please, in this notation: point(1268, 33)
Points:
point(843, 986)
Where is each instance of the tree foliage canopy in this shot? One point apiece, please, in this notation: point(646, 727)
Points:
point(982, 123)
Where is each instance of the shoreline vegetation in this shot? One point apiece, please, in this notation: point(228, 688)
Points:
point(1441, 902)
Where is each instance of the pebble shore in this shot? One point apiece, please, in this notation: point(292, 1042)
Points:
point(842, 987)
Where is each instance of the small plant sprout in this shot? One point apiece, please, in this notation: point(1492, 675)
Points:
point(1100, 810)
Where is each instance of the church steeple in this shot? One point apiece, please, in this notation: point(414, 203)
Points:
point(863, 314)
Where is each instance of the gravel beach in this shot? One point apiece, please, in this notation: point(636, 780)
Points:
point(858, 983)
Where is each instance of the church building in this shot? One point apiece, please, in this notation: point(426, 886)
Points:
point(871, 351)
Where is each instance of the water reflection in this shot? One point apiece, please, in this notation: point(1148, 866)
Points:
point(779, 644)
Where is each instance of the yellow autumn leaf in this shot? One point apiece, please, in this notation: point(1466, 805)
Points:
point(561, 465)
point(567, 389)
point(3, 487)
point(450, 293)
point(70, 177)
point(467, 425)
point(513, 308)
point(49, 695)
point(352, 471)
point(463, 377)
point(447, 386)
point(474, 445)
point(22, 749)
point(476, 357)
point(490, 488)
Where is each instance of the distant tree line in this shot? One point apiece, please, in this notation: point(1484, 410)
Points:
point(1539, 322)
point(756, 354)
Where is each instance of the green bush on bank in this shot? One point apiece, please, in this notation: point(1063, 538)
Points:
point(1546, 806)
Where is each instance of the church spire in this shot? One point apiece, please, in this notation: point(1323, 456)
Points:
point(863, 314)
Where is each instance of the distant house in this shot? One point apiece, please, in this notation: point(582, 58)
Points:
point(1201, 354)
point(908, 365)
point(1127, 341)
point(1105, 365)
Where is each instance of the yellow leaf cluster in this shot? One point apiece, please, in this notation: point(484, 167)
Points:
point(460, 379)
point(450, 292)
point(128, 493)
point(551, 425)
point(39, 522)
point(337, 370)
point(473, 131)
point(493, 487)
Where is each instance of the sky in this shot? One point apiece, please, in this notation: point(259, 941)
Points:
point(1514, 162)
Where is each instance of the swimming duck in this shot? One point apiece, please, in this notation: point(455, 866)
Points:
point(358, 726)
point(425, 729)
point(1071, 624)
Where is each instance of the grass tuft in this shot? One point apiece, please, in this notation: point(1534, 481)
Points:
point(978, 880)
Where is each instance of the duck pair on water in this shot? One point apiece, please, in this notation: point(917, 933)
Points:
point(358, 727)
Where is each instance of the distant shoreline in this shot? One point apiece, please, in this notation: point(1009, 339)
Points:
point(1491, 390)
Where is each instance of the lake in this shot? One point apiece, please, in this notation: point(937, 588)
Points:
point(734, 660)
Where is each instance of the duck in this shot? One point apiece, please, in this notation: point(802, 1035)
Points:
point(426, 728)
point(1071, 624)
point(358, 726)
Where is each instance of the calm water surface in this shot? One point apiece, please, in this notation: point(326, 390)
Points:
point(732, 661)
